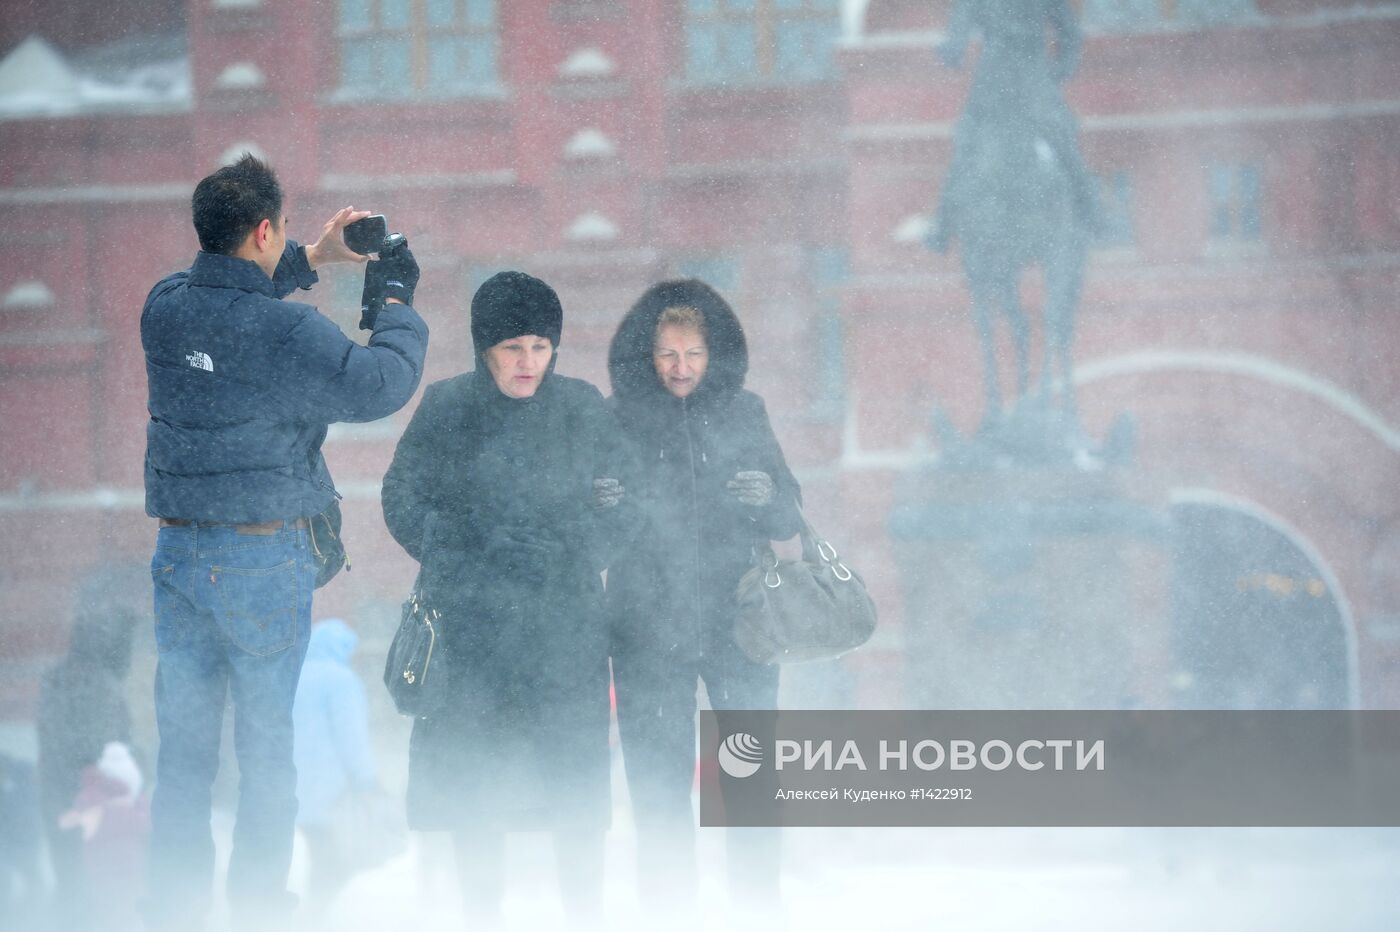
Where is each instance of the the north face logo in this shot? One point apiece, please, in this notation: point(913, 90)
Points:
point(200, 361)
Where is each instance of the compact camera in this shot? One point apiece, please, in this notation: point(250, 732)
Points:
point(369, 236)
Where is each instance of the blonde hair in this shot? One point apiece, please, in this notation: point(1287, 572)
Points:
point(682, 316)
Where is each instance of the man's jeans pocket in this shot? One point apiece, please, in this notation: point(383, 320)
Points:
point(257, 607)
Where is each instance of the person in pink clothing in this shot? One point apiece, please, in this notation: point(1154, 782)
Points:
point(113, 816)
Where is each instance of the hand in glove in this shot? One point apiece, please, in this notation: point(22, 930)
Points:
point(607, 493)
point(503, 552)
point(752, 487)
point(529, 552)
point(393, 275)
point(545, 547)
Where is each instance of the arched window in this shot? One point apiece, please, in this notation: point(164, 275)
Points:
point(735, 41)
point(418, 48)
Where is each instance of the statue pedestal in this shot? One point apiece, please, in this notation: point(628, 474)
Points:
point(1029, 587)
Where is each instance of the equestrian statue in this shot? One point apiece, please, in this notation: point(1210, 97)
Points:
point(1017, 192)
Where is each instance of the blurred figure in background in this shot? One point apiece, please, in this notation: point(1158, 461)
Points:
point(335, 766)
point(112, 815)
point(705, 470)
point(82, 710)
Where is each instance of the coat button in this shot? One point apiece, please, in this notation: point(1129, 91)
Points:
point(517, 461)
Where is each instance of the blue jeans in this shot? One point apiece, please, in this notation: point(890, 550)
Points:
point(233, 614)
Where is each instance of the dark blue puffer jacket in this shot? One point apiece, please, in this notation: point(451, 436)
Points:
point(242, 385)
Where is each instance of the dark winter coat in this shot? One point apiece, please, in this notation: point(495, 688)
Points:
point(242, 386)
point(672, 589)
point(523, 738)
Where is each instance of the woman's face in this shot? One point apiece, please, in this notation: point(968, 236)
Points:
point(518, 364)
point(680, 356)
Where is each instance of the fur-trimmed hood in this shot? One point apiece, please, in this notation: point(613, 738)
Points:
point(671, 591)
point(630, 366)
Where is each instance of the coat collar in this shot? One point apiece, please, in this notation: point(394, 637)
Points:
point(212, 270)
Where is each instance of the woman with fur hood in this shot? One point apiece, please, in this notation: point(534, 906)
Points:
point(706, 473)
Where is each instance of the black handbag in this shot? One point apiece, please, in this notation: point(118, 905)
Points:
point(327, 547)
point(791, 611)
point(409, 668)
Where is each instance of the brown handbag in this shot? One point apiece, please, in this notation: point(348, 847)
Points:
point(792, 611)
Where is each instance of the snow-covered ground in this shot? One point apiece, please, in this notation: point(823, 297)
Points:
point(964, 879)
point(1199, 880)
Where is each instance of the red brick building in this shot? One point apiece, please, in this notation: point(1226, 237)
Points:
point(1240, 307)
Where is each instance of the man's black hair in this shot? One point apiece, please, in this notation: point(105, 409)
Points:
point(229, 204)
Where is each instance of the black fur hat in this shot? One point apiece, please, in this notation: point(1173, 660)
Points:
point(513, 304)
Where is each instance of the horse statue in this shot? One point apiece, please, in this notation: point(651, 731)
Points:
point(1018, 193)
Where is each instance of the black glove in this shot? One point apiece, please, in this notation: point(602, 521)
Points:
point(522, 552)
point(752, 487)
point(607, 493)
point(547, 550)
point(393, 275)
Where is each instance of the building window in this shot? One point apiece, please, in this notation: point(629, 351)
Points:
point(1116, 209)
point(413, 48)
point(1122, 15)
point(719, 272)
point(754, 40)
point(1213, 11)
point(827, 269)
point(1140, 15)
point(478, 272)
point(1236, 202)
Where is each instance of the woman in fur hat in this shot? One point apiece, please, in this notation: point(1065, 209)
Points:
point(708, 478)
point(492, 491)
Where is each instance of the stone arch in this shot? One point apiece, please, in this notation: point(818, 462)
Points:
point(1306, 456)
point(1250, 366)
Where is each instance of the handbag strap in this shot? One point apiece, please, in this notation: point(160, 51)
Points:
point(416, 595)
point(815, 549)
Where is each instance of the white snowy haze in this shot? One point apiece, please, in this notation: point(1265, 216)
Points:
point(1179, 493)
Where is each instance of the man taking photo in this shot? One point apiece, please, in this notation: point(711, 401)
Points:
point(242, 386)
